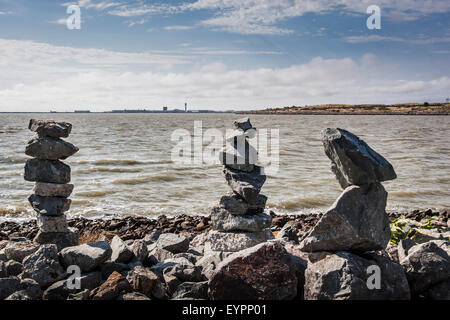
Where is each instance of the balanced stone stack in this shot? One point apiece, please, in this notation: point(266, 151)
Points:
point(239, 221)
point(357, 221)
point(52, 177)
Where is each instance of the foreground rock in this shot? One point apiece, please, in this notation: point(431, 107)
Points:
point(18, 249)
point(49, 171)
point(53, 189)
point(49, 206)
point(235, 241)
point(263, 272)
point(223, 220)
point(50, 128)
point(114, 286)
point(87, 256)
point(354, 162)
point(173, 243)
point(346, 276)
point(50, 148)
point(357, 221)
point(62, 240)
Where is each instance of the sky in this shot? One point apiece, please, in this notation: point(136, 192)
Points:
point(221, 54)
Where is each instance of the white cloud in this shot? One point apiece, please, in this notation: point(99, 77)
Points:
point(378, 38)
point(89, 4)
point(38, 76)
point(178, 28)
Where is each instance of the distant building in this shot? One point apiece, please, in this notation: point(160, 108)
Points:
point(82, 111)
point(164, 108)
point(185, 107)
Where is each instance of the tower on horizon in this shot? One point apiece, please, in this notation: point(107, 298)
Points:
point(185, 107)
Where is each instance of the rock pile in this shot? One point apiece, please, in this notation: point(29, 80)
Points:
point(52, 177)
point(239, 221)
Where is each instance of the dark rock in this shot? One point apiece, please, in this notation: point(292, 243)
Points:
point(355, 162)
point(243, 124)
point(108, 267)
point(87, 256)
point(48, 148)
point(13, 268)
point(50, 128)
point(49, 206)
point(345, 276)
point(260, 273)
point(61, 239)
point(50, 171)
point(234, 204)
point(146, 282)
point(19, 296)
point(53, 189)
point(357, 221)
point(43, 266)
point(173, 243)
point(192, 290)
point(8, 286)
point(427, 264)
point(288, 233)
point(18, 250)
point(246, 184)
point(60, 290)
point(183, 269)
point(32, 288)
point(440, 291)
point(152, 237)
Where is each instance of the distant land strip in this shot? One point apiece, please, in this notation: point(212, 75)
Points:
point(361, 109)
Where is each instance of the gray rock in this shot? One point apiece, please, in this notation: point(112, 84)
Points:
point(61, 239)
point(43, 266)
point(87, 256)
point(50, 171)
point(3, 255)
point(357, 221)
point(427, 264)
point(246, 184)
point(173, 242)
point(243, 124)
point(184, 270)
point(52, 223)
point(403, 247)
point(250, 274)
point(49, 206)
point(3, 271)
point(32, 288)
point(345, 276)
point(140, 250)
point(152, 237)
point(8, 286)
point(120, 251)
point(146, 282)
point(209, 263)
point(355, 162)
point(192, 290)
point(60, 290)
point(48, 148)
point(288, 233)
point(440, 291)
point(132, 296)
point(13, 268)
point(223, 220)
point(235, 241)
point(298, 262)
point(233, 204)
point(258, 206)
point(50, 128)
point(109, 267)
point(18, 250)
point(44, 189)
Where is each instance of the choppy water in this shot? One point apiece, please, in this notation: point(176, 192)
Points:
point(124, 164)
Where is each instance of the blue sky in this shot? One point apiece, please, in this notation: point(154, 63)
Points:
point(221, 54)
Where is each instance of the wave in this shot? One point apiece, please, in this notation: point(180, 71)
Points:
point(141, 180)
point(102, 169)
point(93, 194)
point(122, 162)
point(297, 204)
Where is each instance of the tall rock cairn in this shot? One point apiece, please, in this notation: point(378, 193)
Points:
point(52, 177)
point(357, 221)
point(239, 221)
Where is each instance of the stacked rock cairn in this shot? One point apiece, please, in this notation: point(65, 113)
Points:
point(357, 221)
point(52, 177)
point(239, 221)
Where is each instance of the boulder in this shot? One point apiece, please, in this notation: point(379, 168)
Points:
point(192, 291)
point(60, 290)
point(209, 263)
point(18, 250)
point(8, 286)
point(235, 241)
point(111, 288)
point(223, 220)
point(182, 269)
point(13, 268)
point(69, 238)
point(50, 128)
point(233, 204)
point(347, 276)
point(32, 288)
point(146, 282)
point(108, 267)
point(87, 256)
point(48, 148)
point(427, 264)
point(120, 251)
point(357, 221)
point(43, 266)
point(173, 242)
point(260, 273)
point(44, 189)
point(288, 232)
point(246, 184)
point(440, 291)
point(355, 162)
point(49, 206)
point(140, 250)
point(158, 255)
point(50, 171)
point(51, 223)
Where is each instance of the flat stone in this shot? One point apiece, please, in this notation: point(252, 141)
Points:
point(223, 220)
point(427, 264)
point(239, 156)
point(243, 124)
point(51, 224)
point(18, 250)
point(43, 266)
point(260, 273)
point(233, 204)
point(53, 189)
point(87, 256)
point(357, 221)
point(50, 171)
point(355, 162)
point(345, 276)
point(50, 128)
point(120, 251)
point(50, 148)
point(69, 238)
point(246, 184)
point(173, 242)
point(234, 241)
point(49, 206)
